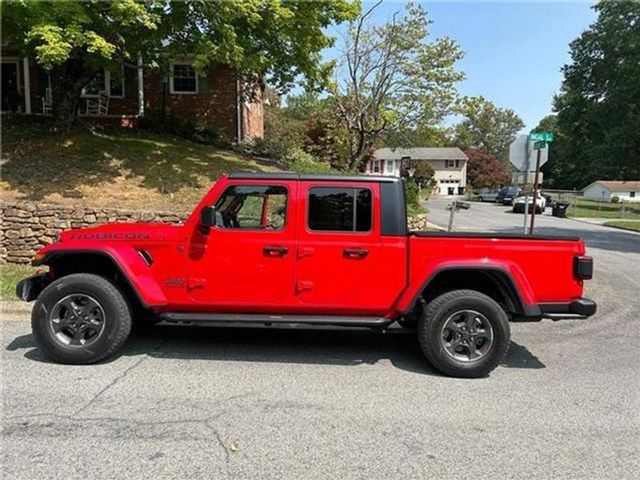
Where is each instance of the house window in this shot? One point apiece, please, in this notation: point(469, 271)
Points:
point(255, 207)
point(632, 194)
point(450, 163)
point(391, 165)
point(183, 78)
point(116, 83)
point(105, 81)
point(340, 209)
point(376, 166)
point(96, 85)
point(457, 163)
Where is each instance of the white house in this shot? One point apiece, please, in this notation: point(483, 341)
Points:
point(605, 190)
point(448, 163)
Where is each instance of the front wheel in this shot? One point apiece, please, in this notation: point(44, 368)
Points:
point(464, 333)
point(80, 318)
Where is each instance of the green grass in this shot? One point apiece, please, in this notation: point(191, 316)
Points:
point(632, 225)
point(592, 209)
point(10, 275)
point(113, 167)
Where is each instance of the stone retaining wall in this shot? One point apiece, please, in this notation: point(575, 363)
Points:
point(25, 226)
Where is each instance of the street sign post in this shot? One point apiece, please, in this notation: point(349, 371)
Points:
point(523, 156)
point(541, 140)
point(542, 137)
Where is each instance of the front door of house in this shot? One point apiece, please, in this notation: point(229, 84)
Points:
point(9, 92)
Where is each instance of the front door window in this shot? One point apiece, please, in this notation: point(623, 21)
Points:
point(252, 207)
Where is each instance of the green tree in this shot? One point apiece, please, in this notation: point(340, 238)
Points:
point(486, 126)
point(419, 171)
point(281, 39)
point(598, 108)
point(390, 76)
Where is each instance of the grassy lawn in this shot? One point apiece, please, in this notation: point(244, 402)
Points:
point(10, 275)
point(116, 167)
point(632, 225)
point(592, 209)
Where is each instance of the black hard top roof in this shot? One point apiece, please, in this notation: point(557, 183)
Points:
point(335, 177)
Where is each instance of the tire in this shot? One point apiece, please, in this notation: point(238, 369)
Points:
point(480, 199)
point(84, 304)
point(443, 312)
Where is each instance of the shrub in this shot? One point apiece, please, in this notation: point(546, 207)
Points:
point(412, 194)
point(210, 136)
point(615, 199)
point(168, 122)
point(300, 161)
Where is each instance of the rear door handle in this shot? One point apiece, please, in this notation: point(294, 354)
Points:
point(275, 251)
point(355, 252)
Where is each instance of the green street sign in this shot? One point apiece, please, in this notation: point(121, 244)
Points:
point(539, 145)
point(542, 137)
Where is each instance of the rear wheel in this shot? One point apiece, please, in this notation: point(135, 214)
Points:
point(80, 318)
point(464, 333)
point(480, 199)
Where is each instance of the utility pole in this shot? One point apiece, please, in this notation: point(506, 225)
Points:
point(453, 208)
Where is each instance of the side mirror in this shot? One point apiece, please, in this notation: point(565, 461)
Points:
point(207, 218)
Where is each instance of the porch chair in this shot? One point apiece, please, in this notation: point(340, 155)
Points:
point(98, 105)
point(47, 102)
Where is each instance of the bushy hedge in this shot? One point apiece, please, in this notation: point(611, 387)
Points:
point(300, 161)
point(169, 122)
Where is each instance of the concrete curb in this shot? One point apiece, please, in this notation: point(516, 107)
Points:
point(15, 307)
point(589, 221)
point(436, 227)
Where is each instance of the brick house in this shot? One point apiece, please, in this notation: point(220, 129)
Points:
point(214, 99)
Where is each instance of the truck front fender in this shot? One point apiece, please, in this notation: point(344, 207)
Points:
point(507, 274)
point(127, 260)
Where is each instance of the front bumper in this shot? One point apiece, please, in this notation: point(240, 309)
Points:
point(579, 308)
point(29, 288)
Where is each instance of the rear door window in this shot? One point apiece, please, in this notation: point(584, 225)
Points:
point(340, 209)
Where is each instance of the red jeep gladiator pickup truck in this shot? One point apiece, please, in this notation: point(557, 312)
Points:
point(313, 249)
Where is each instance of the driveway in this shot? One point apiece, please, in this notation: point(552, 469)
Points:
point(195, 402)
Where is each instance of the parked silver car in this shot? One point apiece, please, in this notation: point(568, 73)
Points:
point(488, 195)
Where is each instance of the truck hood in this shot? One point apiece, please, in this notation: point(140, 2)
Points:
point(124, 232)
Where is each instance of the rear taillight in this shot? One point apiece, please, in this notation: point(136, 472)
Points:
point(583, 267)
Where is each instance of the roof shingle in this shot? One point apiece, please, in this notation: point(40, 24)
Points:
point(420, 153)
point(619, 186)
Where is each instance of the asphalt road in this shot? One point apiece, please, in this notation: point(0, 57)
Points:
point(190, 402)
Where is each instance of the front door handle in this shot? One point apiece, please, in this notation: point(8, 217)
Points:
point(275, 251)
point(355, 252)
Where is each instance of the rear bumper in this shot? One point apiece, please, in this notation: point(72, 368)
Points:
point(579, 308)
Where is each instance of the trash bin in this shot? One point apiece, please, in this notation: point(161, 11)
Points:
point(560, 209)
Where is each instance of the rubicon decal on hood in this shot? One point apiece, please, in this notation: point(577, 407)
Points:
point(110, 236)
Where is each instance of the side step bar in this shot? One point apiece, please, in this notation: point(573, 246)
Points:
point(269, 319)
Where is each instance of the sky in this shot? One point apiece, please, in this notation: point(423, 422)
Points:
point(513, 50)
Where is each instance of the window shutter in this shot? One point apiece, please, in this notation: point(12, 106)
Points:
point(43, 80)
point(203, 84)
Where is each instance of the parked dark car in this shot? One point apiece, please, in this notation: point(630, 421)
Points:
point(508, 194)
